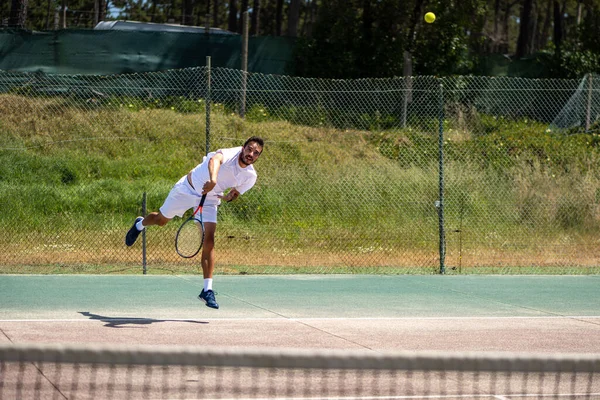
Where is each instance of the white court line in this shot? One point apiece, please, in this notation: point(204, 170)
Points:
point(168, 319)
point(440, 396)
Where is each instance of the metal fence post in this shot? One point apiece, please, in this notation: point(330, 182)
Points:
point(440, 202)
point(245, 32)
point(208, 100)
point(589, 103)
point(144, 210)
point(407, 98)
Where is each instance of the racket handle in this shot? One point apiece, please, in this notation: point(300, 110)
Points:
point(199, 205)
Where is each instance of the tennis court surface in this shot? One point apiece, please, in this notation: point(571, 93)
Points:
point(301, 336)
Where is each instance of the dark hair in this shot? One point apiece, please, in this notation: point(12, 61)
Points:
point(258, 140)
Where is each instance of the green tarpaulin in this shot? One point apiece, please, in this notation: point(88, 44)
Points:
point(116, 52)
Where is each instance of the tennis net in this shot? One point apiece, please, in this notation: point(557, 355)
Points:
point(150, 372)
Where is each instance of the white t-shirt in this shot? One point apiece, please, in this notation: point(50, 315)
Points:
point(231, 175)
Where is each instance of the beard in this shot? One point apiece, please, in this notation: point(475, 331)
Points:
point(244, 161)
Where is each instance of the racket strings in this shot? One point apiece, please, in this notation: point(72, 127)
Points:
point(189, 238)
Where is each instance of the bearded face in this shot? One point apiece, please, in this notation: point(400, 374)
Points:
point(250, 153)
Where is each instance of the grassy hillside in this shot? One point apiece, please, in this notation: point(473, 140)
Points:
point(325, 197)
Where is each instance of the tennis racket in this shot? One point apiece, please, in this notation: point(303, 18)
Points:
point(190, 235)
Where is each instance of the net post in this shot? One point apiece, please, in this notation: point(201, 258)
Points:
point(207, 101)
point(440, 202)
point(144, 210)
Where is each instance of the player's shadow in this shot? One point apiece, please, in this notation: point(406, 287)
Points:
point(119, 322)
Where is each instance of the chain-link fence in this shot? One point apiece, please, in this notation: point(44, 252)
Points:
point(398, 175)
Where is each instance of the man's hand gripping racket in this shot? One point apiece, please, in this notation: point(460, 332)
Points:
point(190, 235)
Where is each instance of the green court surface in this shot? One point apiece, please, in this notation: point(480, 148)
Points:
point(377, 313)
point(299, 296)
point(553, 315)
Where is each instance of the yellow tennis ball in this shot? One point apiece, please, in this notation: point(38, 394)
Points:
point(429, 17)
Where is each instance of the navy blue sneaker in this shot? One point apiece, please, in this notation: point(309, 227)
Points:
point(209, 298)
point(133, 233)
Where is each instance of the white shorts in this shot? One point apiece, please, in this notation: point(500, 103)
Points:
point(182, 197)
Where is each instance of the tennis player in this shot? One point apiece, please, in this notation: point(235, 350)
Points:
point(219, 171)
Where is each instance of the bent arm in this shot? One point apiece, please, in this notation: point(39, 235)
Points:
point(214, 164)
point(231, 196)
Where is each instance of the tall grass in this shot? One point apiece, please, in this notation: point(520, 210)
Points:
point(350, 193)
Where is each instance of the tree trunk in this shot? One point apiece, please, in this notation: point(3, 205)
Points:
point(243, 9)
point(496, 34)
point(18, 14)
point(524, 30)
point(279, 18)
point(63, 14)
point(188, 12)
point(153, 11)
point(503, 47)
point(538, 21)
point(312, 18)
point(563, 26)
point(293, 17)
point(170, 13)
point(216, 16)
point(255, 18)
point(102, 15)
point(49, 13)
point(543, 38)
point(558, 33)
point(416, 16)
point(232, 21)
point(96, 12)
